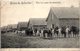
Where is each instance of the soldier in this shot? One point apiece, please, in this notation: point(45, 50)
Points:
point(59, 30)
point(53, 32)
point(41, 34)
point(67, 31)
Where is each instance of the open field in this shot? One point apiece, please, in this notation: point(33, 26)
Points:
point(12, 40)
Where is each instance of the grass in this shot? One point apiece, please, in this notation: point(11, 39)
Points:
point(12, 40)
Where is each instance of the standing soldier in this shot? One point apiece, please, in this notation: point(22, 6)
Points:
point(35, 30)
point(59, 30)
point(33, 33)
point(53, 32)
point(41, 34)
point(67, 31)
point(56, 30)
point(37, 33)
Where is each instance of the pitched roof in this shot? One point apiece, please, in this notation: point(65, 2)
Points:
point(22, 24)
point(14, 25)
point(37, 21)
point(65, 12)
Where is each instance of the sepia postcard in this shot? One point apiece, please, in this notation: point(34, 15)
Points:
point(40, 25)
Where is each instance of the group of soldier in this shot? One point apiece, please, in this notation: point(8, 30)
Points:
point(64, 31)
point(57, 32)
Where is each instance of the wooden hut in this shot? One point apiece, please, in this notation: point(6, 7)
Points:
point(22, 25)
point(63, 16)
point(37, 23)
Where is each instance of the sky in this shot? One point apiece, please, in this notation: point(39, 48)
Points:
point(14, 13)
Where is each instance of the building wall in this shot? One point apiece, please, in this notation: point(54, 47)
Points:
point(69, 22)
point(49, 23)
point(38, 27)
point(62, 22)
point(52, 20)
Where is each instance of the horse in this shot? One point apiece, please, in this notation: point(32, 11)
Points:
point(48, 32)
point(75, 31)
point(29, 32)
point(63, 32)
point(56, 31)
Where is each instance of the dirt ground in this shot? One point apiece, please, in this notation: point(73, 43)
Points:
point(38, 42)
